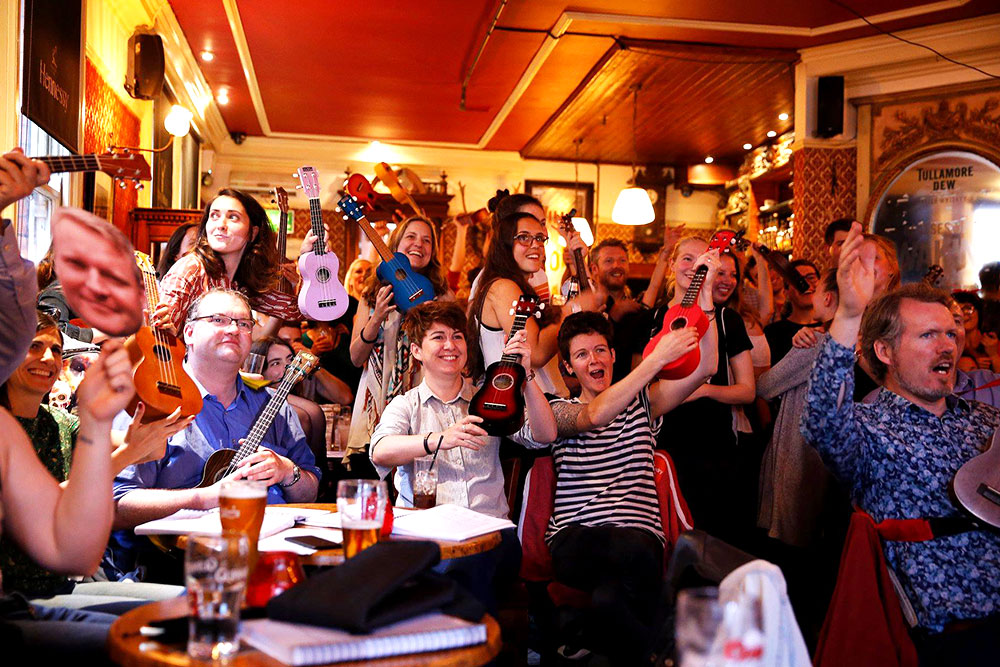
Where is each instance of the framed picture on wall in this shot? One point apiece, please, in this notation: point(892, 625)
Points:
point(561, 196)
point(99, 194)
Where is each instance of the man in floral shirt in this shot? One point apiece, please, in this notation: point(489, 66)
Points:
point(899, 453)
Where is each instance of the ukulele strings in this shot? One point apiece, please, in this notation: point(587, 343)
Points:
point(316, 217)
point(152, 296)
point(408, 282)
point(257, 430)
point(520, 320)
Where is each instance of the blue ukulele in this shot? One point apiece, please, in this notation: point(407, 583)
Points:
point(408, 287)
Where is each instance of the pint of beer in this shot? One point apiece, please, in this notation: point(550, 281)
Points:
point(241, 509)
point(361, 505)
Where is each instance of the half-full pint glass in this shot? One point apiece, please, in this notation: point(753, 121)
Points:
point(241, 509)
point(361, 505)
point(215, 574)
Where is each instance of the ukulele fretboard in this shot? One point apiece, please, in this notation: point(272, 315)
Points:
point(265, 419)
point(71, 162)
point(691, 295)
point(316, 217)
point(520, 320)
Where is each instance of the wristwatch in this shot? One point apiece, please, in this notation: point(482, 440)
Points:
point(296, 476)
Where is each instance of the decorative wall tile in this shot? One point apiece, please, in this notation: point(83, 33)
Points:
point(825, 188)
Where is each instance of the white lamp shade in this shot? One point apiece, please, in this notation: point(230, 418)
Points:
point(178, 121)
point(581, 225)
point(633, 208)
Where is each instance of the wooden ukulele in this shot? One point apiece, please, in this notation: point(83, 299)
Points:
point(285, 286)
point(977, 484)
point(409, 287)
point(161, 382)
point(580, 280)
point(223, 462)
point(778, 262)
point(689, 314)
point(934, 275)
point(399, 193)
point(124, 166)
point(322, 297)
point(500, 401)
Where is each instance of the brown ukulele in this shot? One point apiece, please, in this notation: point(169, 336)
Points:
point(224, 461)
point(285, 286)
point(578, 283)
point(399, 193)
point(124, 166)
point(161, 382)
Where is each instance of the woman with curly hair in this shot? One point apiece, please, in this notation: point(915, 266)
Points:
point(236, 249)
point(377, 344)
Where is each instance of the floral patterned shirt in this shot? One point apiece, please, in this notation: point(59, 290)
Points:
point(898, 460)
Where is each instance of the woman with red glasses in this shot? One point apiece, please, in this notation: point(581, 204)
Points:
point(515, 254)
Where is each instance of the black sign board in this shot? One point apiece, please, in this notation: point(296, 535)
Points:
point(52, 67)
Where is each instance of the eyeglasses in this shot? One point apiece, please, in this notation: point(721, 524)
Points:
point(811, 278)
point(245, 325)
point(526, 239)
point(968, 308)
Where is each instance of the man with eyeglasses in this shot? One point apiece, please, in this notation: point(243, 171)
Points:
point(779, 334)
point(217, 333)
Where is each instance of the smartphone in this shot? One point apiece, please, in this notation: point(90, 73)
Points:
point(314, 542)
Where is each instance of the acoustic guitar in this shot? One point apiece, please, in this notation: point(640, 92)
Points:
point(500, 401)
point(578, 283)
point(409, 287)
point(689, 314)
point(321, 297)
point(285, 286)
point(976, 486)
point(124, 166)
point(157, 356)
point(223, 462)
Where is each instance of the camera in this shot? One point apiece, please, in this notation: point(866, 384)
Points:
point(238, 137)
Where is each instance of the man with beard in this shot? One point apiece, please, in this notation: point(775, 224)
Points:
point(898, 454)
point(609, 268)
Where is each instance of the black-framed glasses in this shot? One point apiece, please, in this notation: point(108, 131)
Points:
point(526, 239)
point(244, 324)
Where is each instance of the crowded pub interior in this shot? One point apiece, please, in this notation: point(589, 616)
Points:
point(511, 332)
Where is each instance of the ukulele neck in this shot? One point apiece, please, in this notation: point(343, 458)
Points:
point(152, 291)
point(380, 247)
point(520, 320)
point(266, 418)
point(581, 270)
point(691, 295)
point(283, 233)
point(316, 217)
point(71, 162)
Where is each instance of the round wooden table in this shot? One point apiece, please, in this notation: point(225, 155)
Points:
point(128, 647)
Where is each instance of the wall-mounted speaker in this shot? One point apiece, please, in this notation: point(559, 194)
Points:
point(829, 106)
point(144, 78)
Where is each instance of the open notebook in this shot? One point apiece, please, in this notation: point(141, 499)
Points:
point(296, 644)
point(447, 522)
point(207, 522)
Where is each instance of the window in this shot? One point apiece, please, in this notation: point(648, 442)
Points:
point(35, 211)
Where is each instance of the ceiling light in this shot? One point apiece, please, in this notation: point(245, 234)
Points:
point(207, 56)
point(633, 208)
point(581, 225)
point(772, 134)
point(782, 116)
point(222, 97)
point(709, 160)
point(178, 121)
point(747, 146)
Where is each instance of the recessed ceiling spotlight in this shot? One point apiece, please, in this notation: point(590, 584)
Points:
point(222, 97)
point(747, 146)
point(709, 160)
point(782, 116)
point(207, 56)
point(772, 134)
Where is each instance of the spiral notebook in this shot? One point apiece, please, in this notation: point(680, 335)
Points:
point(296, 644)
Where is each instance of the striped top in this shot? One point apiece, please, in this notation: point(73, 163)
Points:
point(605, 476)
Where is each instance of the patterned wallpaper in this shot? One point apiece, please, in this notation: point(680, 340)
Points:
point(825, 188)
point(109, 122)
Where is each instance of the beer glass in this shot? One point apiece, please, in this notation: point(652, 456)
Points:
point(241, 509)
point(425, 482)
point(361, 505)
point(215, 575)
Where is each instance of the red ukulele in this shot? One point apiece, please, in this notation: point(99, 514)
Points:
point(689, 314)
point(500, 401)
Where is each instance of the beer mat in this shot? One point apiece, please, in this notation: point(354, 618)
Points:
point(297, 644)
point(207, 522)
point(398, 584)
point(447, 522)
point(278, 541)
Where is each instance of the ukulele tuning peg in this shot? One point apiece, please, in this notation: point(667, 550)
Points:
point(139, 186)
point(121, 185)
point(510, 312)
point(298, 187)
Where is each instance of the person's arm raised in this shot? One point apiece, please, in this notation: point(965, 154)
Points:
point(856, 284)
point(367, 325)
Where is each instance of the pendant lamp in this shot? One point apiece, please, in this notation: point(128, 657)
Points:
point(633, 206)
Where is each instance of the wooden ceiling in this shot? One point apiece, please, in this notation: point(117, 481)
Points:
point(715, 73)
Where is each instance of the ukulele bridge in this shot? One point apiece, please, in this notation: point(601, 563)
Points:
point(988, 492)
point(494, 406)
point(327, 303)
point(416, 295)
point(169, 389)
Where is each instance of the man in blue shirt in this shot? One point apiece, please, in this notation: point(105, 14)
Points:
point(218, 337)
point(899, 453)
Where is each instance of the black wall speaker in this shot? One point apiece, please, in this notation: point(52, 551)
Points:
point(144, 79)
point(830, 106)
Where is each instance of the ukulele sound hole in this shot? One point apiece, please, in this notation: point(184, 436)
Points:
point(679, 323)
point(323, 275)
point(503, 382)
point(400, 274)
point(162, 353)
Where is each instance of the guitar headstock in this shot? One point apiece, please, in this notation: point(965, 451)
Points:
point(281, 198)
point(349, 206)
point(935, 272)
point(566, 221)
point(125, 165)
point(727, 240)
point(309, 181)
point(527, 305)
point(145, 263)
point(302, 365)
point(358, 187)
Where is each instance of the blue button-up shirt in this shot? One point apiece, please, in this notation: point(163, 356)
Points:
point(898, 460)
point(217, 427)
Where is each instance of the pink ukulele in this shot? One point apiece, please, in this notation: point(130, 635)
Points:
point(322, 297)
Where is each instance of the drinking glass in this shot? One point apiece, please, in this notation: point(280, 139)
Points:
point(254, 363)
point(275, 573)
point(215, 575)
point(361, 505)
point(697, 620)
point(425, 481)
point(241, 510)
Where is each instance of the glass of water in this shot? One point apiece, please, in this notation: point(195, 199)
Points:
point(215, 574)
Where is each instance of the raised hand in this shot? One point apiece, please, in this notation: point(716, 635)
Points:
point(310, 240)
point(671, 235)
point(107, 386)
point(383, 304)
point(675, 344)
point(855, 273)
point(709, 259)
point(148, 442)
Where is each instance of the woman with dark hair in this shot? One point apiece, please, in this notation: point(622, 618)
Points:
point(515, 255)
point(377, 342)
point(179, 243)
point(980, 348)
point(236, 249)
